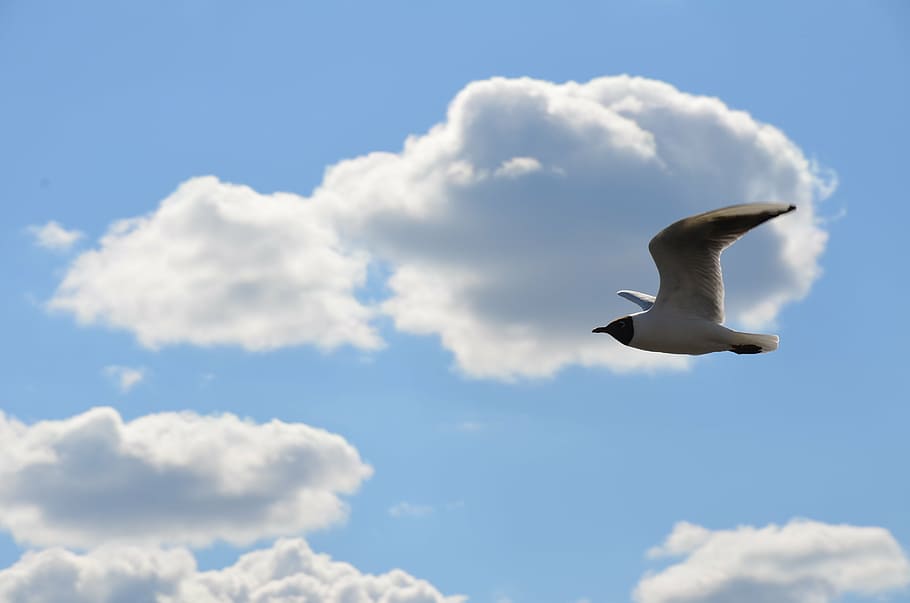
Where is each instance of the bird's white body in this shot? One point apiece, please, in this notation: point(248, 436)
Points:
point(687, 315)
point(659, 330)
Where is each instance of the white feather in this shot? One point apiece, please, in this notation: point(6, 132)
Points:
point(643, 300)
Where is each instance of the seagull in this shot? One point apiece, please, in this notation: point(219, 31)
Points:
point(687, 315)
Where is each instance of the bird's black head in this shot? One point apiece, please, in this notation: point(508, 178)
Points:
point(621, 329)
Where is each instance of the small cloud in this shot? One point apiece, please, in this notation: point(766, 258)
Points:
point(455, 505)
point(124, 376)
point(518, 166)
point(470, 426)
point(406, 509)
point(826, 180)
point(54, 236)
point(837, 216)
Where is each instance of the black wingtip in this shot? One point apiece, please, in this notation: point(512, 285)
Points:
point(791, 208)
point(746, 348)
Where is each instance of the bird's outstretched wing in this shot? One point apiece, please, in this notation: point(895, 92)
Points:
point(642, 299)
point(687, 254)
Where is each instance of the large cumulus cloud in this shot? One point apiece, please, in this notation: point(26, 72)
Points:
point(505, 231)
point(287, 572)
point(800, 562)
point(176, 478)
point(511, 225)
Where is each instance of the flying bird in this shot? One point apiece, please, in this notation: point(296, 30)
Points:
point(687, 315)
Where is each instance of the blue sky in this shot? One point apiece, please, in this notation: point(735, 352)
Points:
point(533, 487)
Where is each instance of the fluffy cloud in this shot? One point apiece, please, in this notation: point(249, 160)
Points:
point(801, 562)
point(54, 236)
point(288, 572)
point(109, 575)
point(125, 377)
point(505, 230)
point(221, 264)
point(511, 225)
point(176, 478)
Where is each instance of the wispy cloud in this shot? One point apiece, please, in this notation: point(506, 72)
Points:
point(406, 509)
point(125, 377)
point(470, 426)
point(54, 236)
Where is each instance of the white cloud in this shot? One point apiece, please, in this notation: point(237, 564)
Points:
point(173, 478)
point(287, 572)
point(109, 575)
point(507, 230)
point(406, 509)
point(470, 426)
point(801, 562)
point(684, 538)
point(54, 236)
point(518, 166)
point(513, 272)
point(221, 264)
point(125, 377)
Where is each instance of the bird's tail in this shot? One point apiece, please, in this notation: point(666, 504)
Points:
point(753, 343)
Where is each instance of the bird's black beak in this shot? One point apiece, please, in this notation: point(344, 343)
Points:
point(600, 330)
